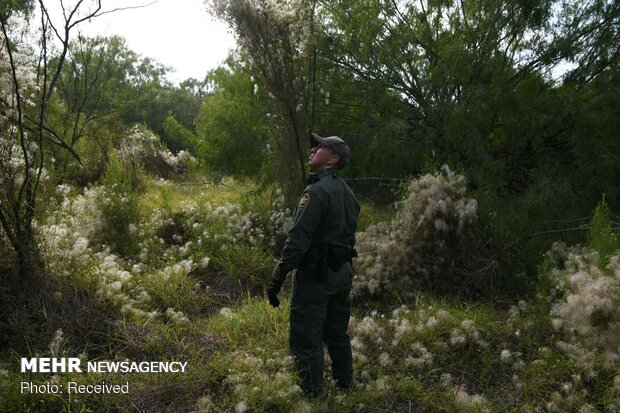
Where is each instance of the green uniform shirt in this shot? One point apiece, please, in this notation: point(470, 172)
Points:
point(326, 212)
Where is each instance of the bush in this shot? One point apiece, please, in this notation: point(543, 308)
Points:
point(601, 236)
point(247, 267)
point(142, 146)
point(432, 242)
point(260, 375)
point(585, 296)
point(119, 210)
point(585, 306)
point(94, 148)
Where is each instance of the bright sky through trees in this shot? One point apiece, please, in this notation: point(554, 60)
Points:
point(177, 33)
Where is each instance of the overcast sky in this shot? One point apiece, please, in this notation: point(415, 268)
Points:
point(177, 33)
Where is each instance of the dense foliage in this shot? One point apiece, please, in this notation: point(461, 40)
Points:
point(428, 243)
point(142, 219)
point(233, 123)
point(522, 97)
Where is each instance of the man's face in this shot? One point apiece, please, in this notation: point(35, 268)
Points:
point(321, 157)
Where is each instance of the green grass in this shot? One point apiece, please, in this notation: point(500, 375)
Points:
point(371, 213)
point(170, 194)
point(240, 354)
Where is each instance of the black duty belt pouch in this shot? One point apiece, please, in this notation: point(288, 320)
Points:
point(310, 262)
point(324, 257)
point(315, 263)
point(337, 256)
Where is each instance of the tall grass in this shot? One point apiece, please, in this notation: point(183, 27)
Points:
point(192, 290)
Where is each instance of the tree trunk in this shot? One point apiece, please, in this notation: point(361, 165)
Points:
point(30, 263)
point(299, 146)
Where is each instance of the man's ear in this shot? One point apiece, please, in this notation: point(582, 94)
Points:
point(331, 161)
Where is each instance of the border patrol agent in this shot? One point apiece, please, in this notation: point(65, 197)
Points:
point(320, 247)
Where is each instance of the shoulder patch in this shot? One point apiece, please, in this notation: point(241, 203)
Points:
point(303, 201)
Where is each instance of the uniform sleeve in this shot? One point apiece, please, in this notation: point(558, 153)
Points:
point(309, 213)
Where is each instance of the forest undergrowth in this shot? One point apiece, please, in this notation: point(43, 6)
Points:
point(177, 271)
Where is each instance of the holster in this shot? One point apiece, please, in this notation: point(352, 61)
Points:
point(323, 257)
point(338, 255)
point(315, 262)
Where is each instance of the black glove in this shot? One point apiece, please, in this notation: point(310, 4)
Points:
point(277, 279)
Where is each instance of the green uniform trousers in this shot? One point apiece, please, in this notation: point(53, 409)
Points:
point(320, 312)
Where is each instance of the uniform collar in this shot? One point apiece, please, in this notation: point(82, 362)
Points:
point(314, 177)
point(333, 172)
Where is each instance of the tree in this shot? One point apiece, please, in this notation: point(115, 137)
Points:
point(520, 95)
point(102, 89)
point(10, 7)
point(29, 78)
point(480, 91)
point(101, 80)
point(277, 38)
point(232, 124)
point(179, 103)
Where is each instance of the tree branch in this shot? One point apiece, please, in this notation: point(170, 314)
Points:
point(22, 137)
point(556, 231)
